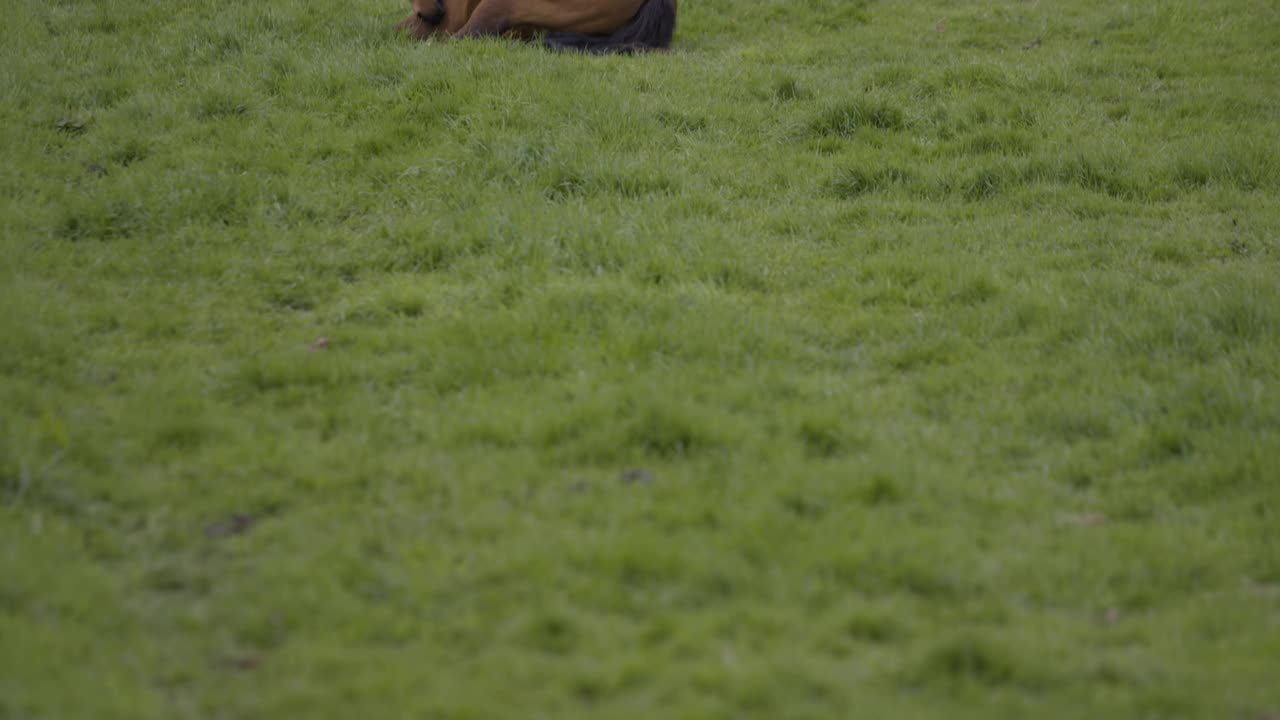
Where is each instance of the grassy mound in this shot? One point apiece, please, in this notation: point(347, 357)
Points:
point(872, 359)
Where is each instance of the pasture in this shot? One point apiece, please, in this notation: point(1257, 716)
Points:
point(857, 358)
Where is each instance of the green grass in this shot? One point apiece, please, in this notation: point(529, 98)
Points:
point(856, 359)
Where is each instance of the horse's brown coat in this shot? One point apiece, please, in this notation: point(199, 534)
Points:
point(526, 18)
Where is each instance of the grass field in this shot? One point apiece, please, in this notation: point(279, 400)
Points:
point(856, 359)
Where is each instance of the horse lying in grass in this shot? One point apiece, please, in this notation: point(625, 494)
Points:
point(597, 26)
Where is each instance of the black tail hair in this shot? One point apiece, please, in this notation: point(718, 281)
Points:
point(651, 29)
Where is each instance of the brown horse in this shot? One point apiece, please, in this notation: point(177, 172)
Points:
point(599, 26)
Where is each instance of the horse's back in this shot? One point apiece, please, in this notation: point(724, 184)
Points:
point(605, 26)
point(593, 17)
